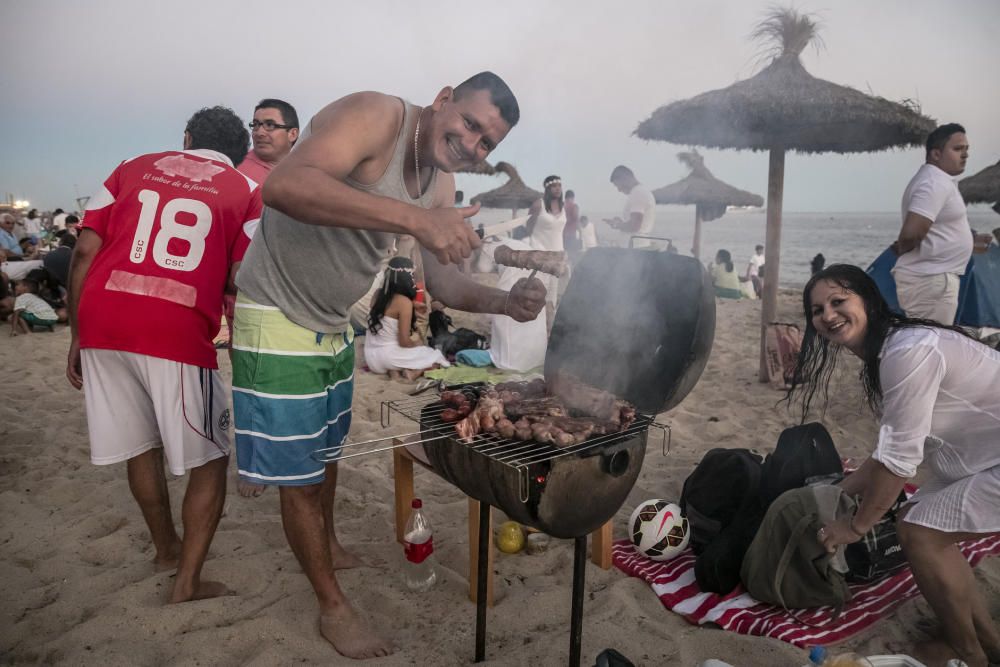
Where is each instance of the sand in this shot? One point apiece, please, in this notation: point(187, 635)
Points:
point(79, 588)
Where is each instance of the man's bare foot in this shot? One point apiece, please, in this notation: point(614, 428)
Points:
point(249, 489)
point(203, 591)
point(342, 558)
point(167, 561)
point(351, 636)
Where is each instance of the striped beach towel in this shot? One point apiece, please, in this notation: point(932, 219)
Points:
point(673, 582)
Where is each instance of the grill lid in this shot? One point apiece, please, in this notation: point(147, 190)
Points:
point(636, 323)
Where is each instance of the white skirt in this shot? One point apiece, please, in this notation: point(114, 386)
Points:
point(968, 505)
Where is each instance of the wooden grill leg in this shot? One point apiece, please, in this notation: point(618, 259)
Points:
point(402, 475)
point(600, 547)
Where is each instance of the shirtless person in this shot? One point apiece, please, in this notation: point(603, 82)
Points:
point(367, 168)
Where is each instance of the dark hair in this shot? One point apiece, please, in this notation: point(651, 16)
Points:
point(621, 171)
point(219, 129)
point(938, 139)
point(818, 358)
point(398, 279)
point(817, 263)
point(72, 219)
point(500, 94)
point(570, 194)
point(724, 257)
point(67, 239)
point(459, 197)
point(758, 247)
point(547, 198)
point(57, 211)
point(31, 283)
point(32, 214)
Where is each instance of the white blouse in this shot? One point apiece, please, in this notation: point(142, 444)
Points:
point(941, 403)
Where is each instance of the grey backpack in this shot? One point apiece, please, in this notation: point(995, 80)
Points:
point(786, 564)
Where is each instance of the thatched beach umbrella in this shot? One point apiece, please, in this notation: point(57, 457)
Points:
point(982, 188)
point(785, 108)
point(709, 195)
point(483, 168)
point(513, 194)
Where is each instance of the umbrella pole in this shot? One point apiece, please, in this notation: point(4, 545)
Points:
point(696, 246)
point(772, 249)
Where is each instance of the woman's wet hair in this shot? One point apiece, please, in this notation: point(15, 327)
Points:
point(397, 279)
point(818, 356)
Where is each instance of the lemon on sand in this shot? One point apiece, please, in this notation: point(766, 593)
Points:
point(510, 537)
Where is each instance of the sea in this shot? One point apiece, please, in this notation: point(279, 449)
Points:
point(852, 238)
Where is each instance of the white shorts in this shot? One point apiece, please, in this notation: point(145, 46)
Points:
point(136, 403)
point(932, 296)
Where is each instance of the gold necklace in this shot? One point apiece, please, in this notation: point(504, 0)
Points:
point(416, 154)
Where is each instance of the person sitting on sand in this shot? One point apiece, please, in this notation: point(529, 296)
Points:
point(149, 269)
point(30, 310)
point(727, 283)
point(935, 390)
point(390, 347)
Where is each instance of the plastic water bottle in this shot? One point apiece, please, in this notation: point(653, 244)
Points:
point(418, 541)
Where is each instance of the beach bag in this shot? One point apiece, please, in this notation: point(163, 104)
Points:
point(802, 452)
point(723, 482)
point(781, 349)
point(721, 501)
point(879, 552)
point(786, 564)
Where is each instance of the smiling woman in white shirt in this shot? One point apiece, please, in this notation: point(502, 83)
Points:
point(937, 394)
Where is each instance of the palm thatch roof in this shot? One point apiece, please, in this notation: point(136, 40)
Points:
point(785, 106)
point(481, 168)
point(513, 194)
point(703, 189)
point(982, 188)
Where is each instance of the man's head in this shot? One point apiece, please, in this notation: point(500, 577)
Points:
point(759, 249)
point(948, 148)
point(275, 128)
point(217, 129)
point(71, 223)
point(623, 179)
point(58, 211)
point(6, 221)
point(570, 195)
point(467, 122)
point(67, 240)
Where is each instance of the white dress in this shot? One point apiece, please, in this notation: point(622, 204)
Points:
point(941, 405)
point(383, 353)
point(548, 235)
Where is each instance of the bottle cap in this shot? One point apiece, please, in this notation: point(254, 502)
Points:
point(416, 504)
point(817, 654)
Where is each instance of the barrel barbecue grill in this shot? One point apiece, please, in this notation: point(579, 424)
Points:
point(636, 323)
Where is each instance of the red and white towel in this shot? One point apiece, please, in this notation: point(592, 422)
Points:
point(674, 583)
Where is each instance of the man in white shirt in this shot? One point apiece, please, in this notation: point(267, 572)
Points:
point(935, 242)
point(58, 220)
point(639, 213)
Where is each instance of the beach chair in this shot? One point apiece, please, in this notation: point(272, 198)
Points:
point(402, 473)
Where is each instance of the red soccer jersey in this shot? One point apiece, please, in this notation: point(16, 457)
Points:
point(172, 224)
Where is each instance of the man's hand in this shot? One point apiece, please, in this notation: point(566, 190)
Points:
point(525, 300)
point(74, 371)
point(445, 233)
point(615, 222)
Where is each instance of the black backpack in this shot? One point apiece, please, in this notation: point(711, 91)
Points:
point(723, 483)
point(802, 452)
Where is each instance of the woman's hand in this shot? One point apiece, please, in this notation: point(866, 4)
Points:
point(832, 535)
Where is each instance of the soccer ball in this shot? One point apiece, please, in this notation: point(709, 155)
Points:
point(658, 530)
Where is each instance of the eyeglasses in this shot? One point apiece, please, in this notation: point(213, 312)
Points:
point(268, 125)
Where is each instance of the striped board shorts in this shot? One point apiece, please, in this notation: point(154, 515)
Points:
point(292, 392)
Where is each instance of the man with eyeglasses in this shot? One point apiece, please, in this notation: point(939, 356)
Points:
point(274, 130)
point(369, 168)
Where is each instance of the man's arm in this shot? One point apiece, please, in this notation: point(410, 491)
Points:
point(354, 137)
point(87, 247)
point(915, 228)
point(633, 224)
point(533, 211)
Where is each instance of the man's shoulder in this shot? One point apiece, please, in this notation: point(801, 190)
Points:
point(375, 107)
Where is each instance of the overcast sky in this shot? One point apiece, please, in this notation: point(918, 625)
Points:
point(85, 85)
